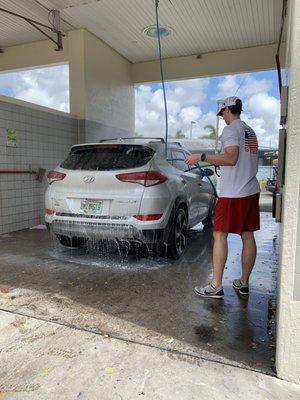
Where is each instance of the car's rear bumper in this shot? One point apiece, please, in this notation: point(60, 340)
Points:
point(105, 231)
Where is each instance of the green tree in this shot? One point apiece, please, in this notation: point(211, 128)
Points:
point(179, 135)
point(213, 132)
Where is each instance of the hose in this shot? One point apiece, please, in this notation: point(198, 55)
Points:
point(162, 74)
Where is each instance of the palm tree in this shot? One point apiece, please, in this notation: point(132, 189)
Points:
point(179, 135)
point(213, 132)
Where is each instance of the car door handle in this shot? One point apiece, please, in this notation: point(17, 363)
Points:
point(184, 181)
point(199, 184)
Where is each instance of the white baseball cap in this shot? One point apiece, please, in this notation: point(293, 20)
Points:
point(229, 101)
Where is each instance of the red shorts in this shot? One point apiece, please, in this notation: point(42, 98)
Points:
point(237, 215)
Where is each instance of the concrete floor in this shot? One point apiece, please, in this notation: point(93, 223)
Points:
point(46, 361)
point(148, 301)
point(85, 324)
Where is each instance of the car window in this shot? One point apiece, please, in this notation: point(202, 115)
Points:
point(107, 157)
point(178, 160)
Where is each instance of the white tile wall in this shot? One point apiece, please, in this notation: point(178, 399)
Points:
point(43, 140)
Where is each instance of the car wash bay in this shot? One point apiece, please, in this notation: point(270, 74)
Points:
point(146, 300)
point(151, 300)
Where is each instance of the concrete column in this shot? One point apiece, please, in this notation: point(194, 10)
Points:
point(101, 91)
point(288, 311)
point(77, 72)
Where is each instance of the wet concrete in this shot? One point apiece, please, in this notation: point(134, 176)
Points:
point(147, 301)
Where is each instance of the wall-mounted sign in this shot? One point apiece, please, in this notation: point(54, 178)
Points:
point(11, 137)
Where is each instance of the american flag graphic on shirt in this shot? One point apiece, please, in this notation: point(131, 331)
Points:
point(251, 144)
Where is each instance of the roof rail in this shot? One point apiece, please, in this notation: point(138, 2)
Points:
point(177, 143)
point(132, 138)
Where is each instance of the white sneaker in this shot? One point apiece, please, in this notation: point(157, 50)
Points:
point(209, 291)
point(240, 287)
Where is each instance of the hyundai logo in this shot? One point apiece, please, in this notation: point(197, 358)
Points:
point(88, 179)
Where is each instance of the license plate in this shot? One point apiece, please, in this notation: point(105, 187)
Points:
point(91, 207)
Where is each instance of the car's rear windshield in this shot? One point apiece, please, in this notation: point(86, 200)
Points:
point(107, 157)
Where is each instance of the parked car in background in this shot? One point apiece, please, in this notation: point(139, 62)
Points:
point(271, 184)
point(128, 190)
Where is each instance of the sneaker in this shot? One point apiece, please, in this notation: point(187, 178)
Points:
point(209, 291)
point(240, 287)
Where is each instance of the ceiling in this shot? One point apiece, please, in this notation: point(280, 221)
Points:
point(198, 26)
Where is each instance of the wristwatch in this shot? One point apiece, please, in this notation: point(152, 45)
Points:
point(203, 157)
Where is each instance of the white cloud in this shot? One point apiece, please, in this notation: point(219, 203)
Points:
point(184, 99)
point(263, 113)
point(243, 85)
point(48, 87)
point(185, 104)
point(227, 87)
point(188, 114)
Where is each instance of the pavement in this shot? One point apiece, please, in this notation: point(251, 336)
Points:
point(87, 324)
point(43, 360)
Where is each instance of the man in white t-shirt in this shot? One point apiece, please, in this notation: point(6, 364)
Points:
point(237, 209)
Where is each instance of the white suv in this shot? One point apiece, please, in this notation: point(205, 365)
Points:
point(128, 190)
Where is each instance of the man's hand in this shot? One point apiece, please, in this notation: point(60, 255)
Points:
point(193, 159)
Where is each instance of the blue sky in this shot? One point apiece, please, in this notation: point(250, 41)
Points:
point(195, 100)
point(44, 86)
point(189, 100)
point(212, 88)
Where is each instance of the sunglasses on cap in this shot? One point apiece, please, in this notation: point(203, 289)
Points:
point(221, 112)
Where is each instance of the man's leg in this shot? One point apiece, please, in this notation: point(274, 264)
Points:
point(220, 253)
point(248, 255)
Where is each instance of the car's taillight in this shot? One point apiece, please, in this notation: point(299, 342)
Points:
point(48, 211)
point(148, 217)
point(150, 178)
point(55, 176)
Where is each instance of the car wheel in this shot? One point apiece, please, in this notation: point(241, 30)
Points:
point(74, 242)
point(178, 235)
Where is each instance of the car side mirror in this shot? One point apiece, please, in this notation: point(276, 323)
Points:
point(208, 172)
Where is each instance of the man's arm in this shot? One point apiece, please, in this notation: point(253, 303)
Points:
point(229, 158)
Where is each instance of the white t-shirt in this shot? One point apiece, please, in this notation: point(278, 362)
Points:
point(240, 180)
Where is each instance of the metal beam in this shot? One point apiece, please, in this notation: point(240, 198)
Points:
point(37, 25)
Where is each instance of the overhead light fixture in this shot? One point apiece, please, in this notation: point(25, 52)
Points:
point(152, 32)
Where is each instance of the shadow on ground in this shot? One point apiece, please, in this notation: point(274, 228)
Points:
point(150, 300)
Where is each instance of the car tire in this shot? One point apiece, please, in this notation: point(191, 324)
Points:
point(73, 242)
point(178, 235)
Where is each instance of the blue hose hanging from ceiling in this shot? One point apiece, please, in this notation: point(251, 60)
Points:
point(162, 75)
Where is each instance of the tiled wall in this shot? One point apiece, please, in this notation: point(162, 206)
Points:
point(43, 140)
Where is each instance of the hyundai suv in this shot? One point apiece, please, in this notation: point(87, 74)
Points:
point(135, 190)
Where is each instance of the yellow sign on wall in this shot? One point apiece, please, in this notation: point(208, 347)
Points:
point(11, 137)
